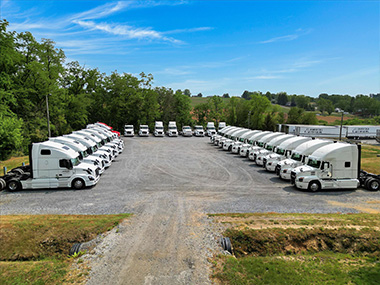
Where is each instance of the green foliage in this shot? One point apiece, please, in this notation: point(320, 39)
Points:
point(10, 135)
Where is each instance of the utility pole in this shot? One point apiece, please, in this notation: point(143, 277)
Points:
point(341, 125)
point(47, 113)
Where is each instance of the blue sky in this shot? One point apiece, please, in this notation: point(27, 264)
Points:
point(216, 47)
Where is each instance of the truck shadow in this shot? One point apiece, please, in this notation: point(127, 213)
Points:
point(46, 191)
point(293, 189)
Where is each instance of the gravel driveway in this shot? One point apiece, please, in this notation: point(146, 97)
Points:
point(170, 184)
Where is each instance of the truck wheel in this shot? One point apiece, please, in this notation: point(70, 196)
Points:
point(14, 185)
point(314, 186)
point(367, 182)
point(78, 184)
point(374, 185)
point(3, 184)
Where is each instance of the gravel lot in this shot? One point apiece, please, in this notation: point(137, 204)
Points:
point(170, 184)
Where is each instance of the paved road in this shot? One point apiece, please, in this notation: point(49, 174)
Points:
point(169, 184)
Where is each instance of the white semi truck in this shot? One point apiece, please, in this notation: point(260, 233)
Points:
point(251, 143)
point(82, 150)
point(260, 144)
point(172, 129)
point(158, 129)
point(199, 131)
point(144, 131)
point(129, 131)
point(51, 165)
point(210, 129)
point(243, 140)
point(227, 136)
point(92, 148)
point(219, 134)
point(334, 166)
point(269, 148)
point(227, 145)
point(283, 151)
point(187, 131)
point(221, 125)
point(299, 157)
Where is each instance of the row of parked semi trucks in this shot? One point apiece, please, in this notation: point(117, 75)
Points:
point(172, 130)
point(308, 163)
point(73, 161)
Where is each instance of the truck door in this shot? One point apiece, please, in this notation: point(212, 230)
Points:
point(63, 173)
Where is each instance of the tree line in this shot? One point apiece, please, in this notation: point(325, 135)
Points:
point(34, 73)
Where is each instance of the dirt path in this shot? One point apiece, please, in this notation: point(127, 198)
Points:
point(167, 242)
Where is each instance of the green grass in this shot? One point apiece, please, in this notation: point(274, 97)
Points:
point(35, 248)
point(300, 249)
point(13, 163)
point(200, 100)
point(324, 268)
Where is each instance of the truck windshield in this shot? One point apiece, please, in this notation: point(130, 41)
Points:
point(211, 128)
point(241, 139)
point(94, 148)
point(280, 151)
point(260, 144)
point(199, 128)
point(75, 161)
point(172, 128)
point(314, 163)
point(85, 154)
point(159, 128)
point(269, 147)
point(296, 156)
point(250, 141)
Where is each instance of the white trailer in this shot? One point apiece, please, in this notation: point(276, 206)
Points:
point(318, 131)
point(360, 132)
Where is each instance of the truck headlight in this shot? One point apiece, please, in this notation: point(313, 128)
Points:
point(91, 178)
point(301, 179)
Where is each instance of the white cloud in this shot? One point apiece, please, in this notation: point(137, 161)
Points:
point(100, 11)
point(127, 31)
point(190, 30)
point(286, 38)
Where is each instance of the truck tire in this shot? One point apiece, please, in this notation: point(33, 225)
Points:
point(78, 184)
point(314, 186)
point(366, 182)
point(14, 185)
point(3, 184)
point(373, 184)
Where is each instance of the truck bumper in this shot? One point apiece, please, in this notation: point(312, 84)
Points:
point(285, 176)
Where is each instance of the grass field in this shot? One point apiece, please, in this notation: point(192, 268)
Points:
point(35, 248)
point(13, 162)
point(300, 249)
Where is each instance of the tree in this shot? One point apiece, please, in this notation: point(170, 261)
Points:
point(187, 92)
point(200, 95)
point(226, 95)
point(282, 98)
point(216, 108)
point(246, 95)
point(302, 101)
point(201, 113)
point(295, 115)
